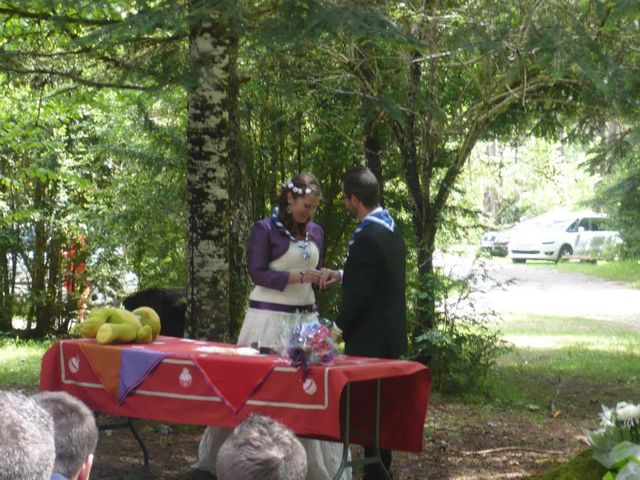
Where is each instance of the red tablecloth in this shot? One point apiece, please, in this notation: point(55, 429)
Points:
point(182, 381)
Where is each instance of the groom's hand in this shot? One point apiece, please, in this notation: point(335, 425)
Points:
point(328, 277)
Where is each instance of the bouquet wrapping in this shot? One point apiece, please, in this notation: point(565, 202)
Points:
point(616, 444)
point(310, 343)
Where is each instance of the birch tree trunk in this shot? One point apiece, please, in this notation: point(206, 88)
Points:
point(208, 313)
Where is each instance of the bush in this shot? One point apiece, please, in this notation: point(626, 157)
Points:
point(460, 355)
point(462, 348)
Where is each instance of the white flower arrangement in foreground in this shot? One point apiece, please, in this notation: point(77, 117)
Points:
point(616, 444)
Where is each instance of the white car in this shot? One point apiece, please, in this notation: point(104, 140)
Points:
point(584, 234)
point(497, 242)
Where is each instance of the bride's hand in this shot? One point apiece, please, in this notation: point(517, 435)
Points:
point(312, 276)
point(328, 277)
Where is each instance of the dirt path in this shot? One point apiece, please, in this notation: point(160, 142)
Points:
point(506, 287)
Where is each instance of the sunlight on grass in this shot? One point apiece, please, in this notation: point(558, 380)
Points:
point(574, 360)
point(538, 331)
point(625, 271)
point(20, 362)
point(591, 343)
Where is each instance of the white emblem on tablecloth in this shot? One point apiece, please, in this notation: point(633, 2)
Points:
point(309, 386)
point(185, 378)
point(74, 364)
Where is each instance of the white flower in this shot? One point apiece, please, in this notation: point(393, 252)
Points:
point(606, 417)
point(297, 190)
point(629, 414)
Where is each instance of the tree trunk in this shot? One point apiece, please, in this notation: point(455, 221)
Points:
point(371, 114)
point(38, 276)
point(52, 301)
point(6, 299)
point(406, 134)
point(240, 199)
point(208, 313)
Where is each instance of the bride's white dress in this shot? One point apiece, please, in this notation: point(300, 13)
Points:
point(268, 328)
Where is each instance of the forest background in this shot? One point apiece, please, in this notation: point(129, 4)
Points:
point(139, 140)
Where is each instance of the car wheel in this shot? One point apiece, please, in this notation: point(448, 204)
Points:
point(565, 251)
point(519, 260)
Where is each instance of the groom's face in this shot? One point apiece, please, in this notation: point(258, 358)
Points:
point(349, 203)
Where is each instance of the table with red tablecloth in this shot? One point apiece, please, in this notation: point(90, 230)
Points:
point(196, 382)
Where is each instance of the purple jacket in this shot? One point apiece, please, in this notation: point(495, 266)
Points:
point(266, 243)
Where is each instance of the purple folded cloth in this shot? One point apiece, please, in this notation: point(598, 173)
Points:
point(135, 366)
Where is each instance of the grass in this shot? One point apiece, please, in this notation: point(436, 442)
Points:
point(20, 362)
point(624, 271)
point(573, 364)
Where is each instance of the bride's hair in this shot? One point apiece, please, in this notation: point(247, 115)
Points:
point(301, 185)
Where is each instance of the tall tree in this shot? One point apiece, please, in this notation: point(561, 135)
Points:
point(482, 70)
point(208, 129)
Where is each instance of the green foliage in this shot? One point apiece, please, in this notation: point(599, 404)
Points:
point(461, 355)
point(621, 194)
point(95, 113)
point(582, 466)
point(525, 179)
point(20, 361)
point(137, 213)
point(464, 345)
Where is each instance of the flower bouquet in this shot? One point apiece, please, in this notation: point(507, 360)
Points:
point(616, 444)
point(310, 343)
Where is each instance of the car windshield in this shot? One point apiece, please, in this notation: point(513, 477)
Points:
point(544, 221)
point(558, 224)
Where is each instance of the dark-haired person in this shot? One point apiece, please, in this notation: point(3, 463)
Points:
point(75, 433)
point(284, 259)
point(372, 316)
point(27, 450)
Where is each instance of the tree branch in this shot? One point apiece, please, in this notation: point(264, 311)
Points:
point(47, 16)
point(77, 79)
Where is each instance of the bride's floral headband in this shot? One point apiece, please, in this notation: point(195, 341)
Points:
point(297, 190)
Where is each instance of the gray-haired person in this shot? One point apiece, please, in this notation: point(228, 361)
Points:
point(75, 433)
point(27, 449)
point(261, 449)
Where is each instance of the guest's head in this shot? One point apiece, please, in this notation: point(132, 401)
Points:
point(298, 201)
point(261, 449)
point(76, 433)
point(27, 449)
point(360, 190)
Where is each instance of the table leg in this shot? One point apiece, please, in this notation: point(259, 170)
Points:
point(145, 453)
point(129, 424)
point(345, 435)
point(346, 425)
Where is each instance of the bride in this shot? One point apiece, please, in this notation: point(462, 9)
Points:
point(284, 260)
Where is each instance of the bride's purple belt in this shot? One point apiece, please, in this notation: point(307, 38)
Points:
point(280, 307)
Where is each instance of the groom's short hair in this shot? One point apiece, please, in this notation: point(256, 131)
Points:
point(261, 449)
point(362, 183)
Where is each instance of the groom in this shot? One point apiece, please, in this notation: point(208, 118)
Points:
point(373, 311)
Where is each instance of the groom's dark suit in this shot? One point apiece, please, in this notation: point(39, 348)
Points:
point(373, 312)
